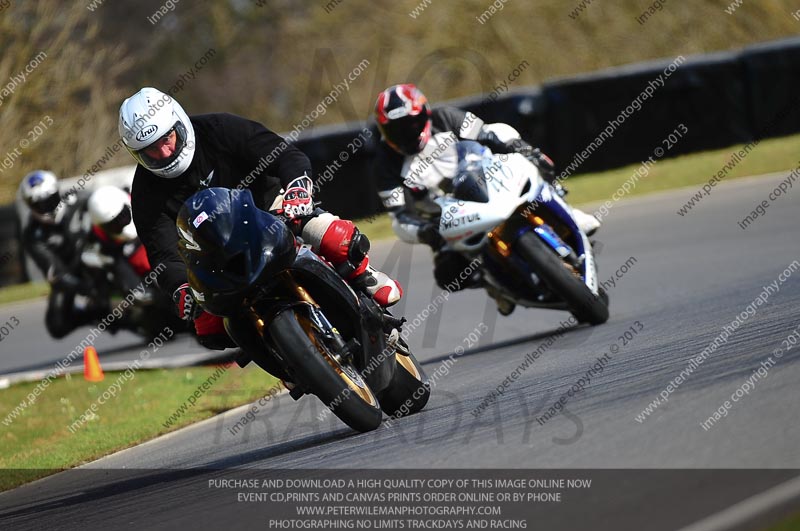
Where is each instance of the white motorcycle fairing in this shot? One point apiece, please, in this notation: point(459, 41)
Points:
point(510, 185)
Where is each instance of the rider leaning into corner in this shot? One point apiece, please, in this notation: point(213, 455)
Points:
point(177, 155)
point(112, 240)
point(51, 238)
point(413, 135)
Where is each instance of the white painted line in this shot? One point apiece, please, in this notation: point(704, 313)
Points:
point(749, 508)
point(165, 362)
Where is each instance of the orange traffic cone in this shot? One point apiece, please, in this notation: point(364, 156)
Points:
point(92, 372)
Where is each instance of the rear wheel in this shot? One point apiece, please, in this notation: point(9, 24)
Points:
point(315, 366)
point(409, 390)
point(563, 280)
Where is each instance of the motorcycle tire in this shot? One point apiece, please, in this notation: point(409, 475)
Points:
point(563, 280)
point(409, 390)
point(339, 386)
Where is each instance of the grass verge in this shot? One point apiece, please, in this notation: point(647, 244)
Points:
point(23, 292)
point(773, 155)
point(39, 442)
point(790, 524)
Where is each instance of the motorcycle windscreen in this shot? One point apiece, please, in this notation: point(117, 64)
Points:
point(229, 244)
point(469, 184)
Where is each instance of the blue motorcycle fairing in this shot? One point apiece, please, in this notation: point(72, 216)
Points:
point(550, 201)
point(547, 234)
point(230, 246)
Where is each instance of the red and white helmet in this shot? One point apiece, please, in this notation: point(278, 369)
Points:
point(148, 116)
point(404, 118)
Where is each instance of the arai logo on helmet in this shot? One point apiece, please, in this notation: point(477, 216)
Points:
point(146, 132)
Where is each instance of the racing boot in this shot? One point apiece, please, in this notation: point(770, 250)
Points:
point(381, 287)
point(294, 391)
point(505, 306)
point(586, 222)
point(345, 247)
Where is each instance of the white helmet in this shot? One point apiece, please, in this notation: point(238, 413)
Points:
point(110, 209)
point(148, 116)
point(39, 190)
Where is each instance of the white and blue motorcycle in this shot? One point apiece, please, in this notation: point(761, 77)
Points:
point(532, 252)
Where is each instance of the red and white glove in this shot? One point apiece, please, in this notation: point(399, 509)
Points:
point(297, 201)
point(187, 306)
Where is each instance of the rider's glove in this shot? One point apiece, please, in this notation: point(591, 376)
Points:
point(297, 201)
point(543, 163)
point(65, 280)
point(490, 140)
point(187, 306)
point(94, 258)
point(523, 148)
point(429, 235)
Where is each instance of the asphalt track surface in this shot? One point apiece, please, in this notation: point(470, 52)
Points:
point(692, 276)
point(30, 348)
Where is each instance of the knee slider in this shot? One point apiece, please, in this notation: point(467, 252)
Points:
point(356, 262)
point(343, 245)
point(359, 247)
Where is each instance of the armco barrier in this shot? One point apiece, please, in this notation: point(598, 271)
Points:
point(341, 157)
point(11, 270)
point(707, 95)
point(772, 73)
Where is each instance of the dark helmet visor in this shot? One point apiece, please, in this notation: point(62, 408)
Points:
point(116, 225)
point(180, 141)
point(404, 133)
point(47, 205)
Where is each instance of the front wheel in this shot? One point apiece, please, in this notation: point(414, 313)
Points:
point(563, 280)
point(313, 365)
point(409, 390)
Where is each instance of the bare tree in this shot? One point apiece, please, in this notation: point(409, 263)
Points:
point(59, 88)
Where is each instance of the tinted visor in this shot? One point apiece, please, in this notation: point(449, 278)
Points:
point(180, 141)
point(116, 225)
point(404, 133)
point(47, 205)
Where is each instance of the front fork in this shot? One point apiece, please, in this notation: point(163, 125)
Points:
point(368, 355)
point(303, 300)
point(544, 224)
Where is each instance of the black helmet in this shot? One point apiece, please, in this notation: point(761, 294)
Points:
point(404, 118)
point(230, 246)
